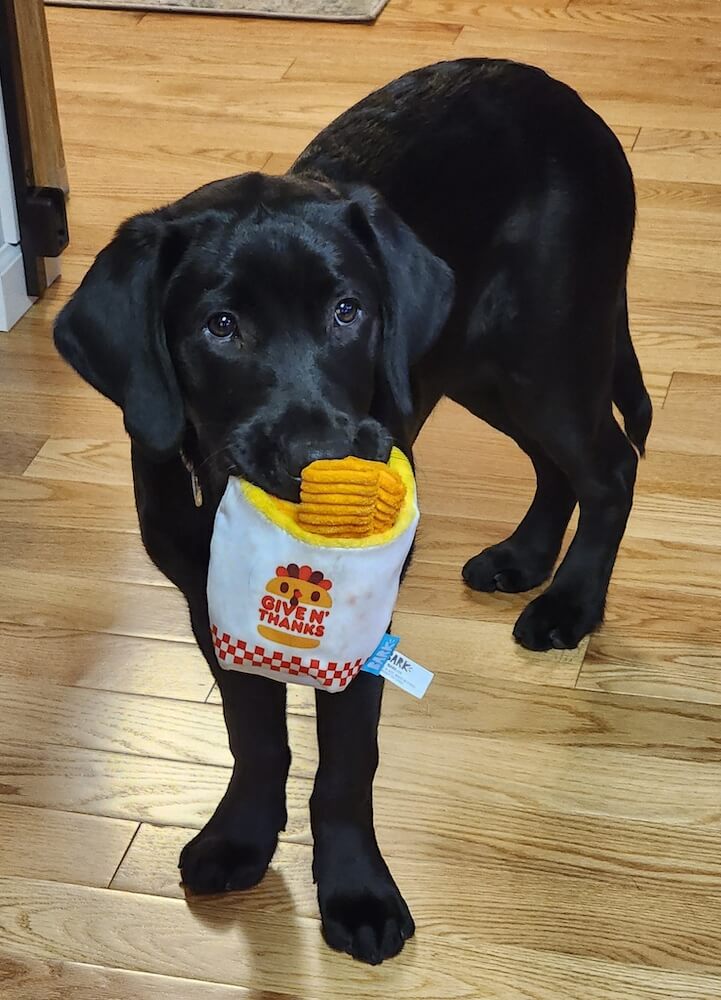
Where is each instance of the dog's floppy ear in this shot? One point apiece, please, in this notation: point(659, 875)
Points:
point(418, 290)
point(111, 332)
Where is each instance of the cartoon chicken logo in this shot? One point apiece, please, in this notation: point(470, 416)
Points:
point(295, 606)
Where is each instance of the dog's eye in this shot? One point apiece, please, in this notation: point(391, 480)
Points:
point(346, 311)
point(223, 325)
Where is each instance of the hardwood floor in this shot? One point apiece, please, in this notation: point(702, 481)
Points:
point(553, 819)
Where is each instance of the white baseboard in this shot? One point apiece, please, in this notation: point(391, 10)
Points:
point(14, 300)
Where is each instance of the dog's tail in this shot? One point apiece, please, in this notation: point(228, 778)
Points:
point(629, 392)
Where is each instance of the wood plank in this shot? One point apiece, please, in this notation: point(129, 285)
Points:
point(462, 12)
point(47, 415)
point(682, 199)
point(556, 717)
point(95, 53)
point(672, 518)
point(83, 461)
point(93, 606)
point(151, 867)
point(118, 786)
point(375, 60)
point(54, 979)
point(104, 661)
point(563, 33)
point(705, 145)
point(673, 337)
point(672, 473)
point(690, 254)
point(39, 373)
point(658, 645)
point(648, 614)
point(595, 25)
point(654, 108)
point(690, 421)
point(139, 789)
point(683, 669)
point(303, 108)
point(692, 392)
point(66, 847)
point(676, 568)
point(99, 555)
point(695, 13)
point(451, 967)
point(128, 179)
point(87, 506)
point(48, 715)
point(17, 450)
point(456, 646)
point(592, 789)
point(678, 155)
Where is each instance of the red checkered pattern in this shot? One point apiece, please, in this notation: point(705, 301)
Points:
point(239, 653)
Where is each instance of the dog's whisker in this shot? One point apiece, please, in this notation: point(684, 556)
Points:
point(209, 458)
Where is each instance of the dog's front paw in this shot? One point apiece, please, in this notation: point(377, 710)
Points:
point(504, 567)
point(216, 862)
point(556, 621)
point(364, 916)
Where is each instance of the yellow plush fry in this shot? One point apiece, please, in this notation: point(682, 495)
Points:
point(384, 507)
point(360, 477)
point(355, 482)
point(356, 520)
point(349, 497)
point(390, 483)
point(339, 530)
point(328, 509)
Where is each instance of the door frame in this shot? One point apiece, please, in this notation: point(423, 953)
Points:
point(33, 223)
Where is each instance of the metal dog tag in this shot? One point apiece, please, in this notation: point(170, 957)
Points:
point(195, 486)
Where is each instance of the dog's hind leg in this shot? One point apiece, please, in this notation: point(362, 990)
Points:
point(602, 471)
point(527, 557)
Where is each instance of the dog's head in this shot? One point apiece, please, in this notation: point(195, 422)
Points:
point(277, 318)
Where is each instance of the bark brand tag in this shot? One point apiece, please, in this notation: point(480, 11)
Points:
point(400, 670)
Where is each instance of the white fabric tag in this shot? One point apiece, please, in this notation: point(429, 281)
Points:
point(406, 674)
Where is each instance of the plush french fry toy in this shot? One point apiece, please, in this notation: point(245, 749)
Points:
point(303, 593)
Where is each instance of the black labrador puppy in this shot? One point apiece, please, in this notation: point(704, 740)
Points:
point(465, 231)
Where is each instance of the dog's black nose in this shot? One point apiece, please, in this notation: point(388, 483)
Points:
point(300, 451)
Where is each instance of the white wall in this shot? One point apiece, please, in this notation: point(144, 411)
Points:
point(13, 297)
